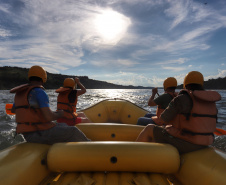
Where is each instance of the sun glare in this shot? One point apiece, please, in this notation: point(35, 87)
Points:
point(111, 25)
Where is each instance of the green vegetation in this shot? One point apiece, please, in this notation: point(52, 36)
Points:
point(219, 83)
point(13, 76)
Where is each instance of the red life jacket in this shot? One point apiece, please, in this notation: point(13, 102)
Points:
point(160, 110)
point(198, 126)
point(64, 104)
point(28, 119)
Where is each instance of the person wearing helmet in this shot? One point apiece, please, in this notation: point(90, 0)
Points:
point(190, 118)
point(33, 114)
point(161, 101)
point(67, 101)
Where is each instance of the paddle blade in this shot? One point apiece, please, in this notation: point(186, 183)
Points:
point(220, 132)
point(8, 108)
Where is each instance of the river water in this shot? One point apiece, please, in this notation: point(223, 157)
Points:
point(92, 96)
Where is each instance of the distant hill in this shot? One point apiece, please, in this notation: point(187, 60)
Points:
point(13, 76)
point(219, 83)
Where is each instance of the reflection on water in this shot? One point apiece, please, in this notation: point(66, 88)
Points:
point(92, 96)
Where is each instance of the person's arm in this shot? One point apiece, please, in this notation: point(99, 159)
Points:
point(83, 89)
point(151, 99)
point(169, 113)
point(180, 104)
point(43, 103)
point(50, 115)
point(13, 110)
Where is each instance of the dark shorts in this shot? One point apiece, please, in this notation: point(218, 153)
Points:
point(58, 134)
point(161, 136)
point(70, 122)
point(144, 121)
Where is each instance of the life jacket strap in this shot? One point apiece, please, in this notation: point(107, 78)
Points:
point(66, 104)
point(70, 112)
point(66, 110)
point(29, 123)
point(69, 105)
point(22, 107)
point(26, 107)
point(196, 133)
point(199, 115)
point(204, 115)
point(63, 103)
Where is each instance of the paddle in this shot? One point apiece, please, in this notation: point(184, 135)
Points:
point(8, 108)
point(220, 132)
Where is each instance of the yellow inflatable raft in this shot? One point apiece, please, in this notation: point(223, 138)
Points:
point(112, 158)
point(110, 132)
point(114, 111)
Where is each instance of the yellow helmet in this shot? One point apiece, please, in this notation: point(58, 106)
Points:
point(69, 82)
point(38, 71)
point(193, 77)
point(169, 82)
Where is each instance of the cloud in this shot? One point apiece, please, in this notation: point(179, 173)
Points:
point(114, 63)
point(174, 68)
point(191, 12)
point(125, 78)
point(127, 63)
point(179, 10)
point(157, 37)
point(199, 32)
point(175, 61)
point(5, 33)
point(59, 32)
point(180, 78)
point(221, 74)
point(191, 28)
point(4, 8)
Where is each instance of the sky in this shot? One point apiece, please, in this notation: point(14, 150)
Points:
point(126, 42)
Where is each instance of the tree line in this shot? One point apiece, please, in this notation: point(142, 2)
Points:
point(13, 76)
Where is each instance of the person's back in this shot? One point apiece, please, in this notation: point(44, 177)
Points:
point(194, 113)
point(67, 100)
point(161, 102)
point(190, 118)
point(34, 117)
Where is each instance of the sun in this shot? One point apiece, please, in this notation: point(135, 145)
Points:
point(111, 25)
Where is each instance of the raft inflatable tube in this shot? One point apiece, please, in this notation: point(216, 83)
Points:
point(114, 111)
point(23, 164)
point(113, 156)
point(207, 166)
point(110, 131)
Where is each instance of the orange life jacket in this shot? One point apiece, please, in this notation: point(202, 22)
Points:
point(160, 110)
point(64, 104)
point(28, 119)
point(197, 126)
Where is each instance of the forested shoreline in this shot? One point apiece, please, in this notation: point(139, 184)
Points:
point(14, 76)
